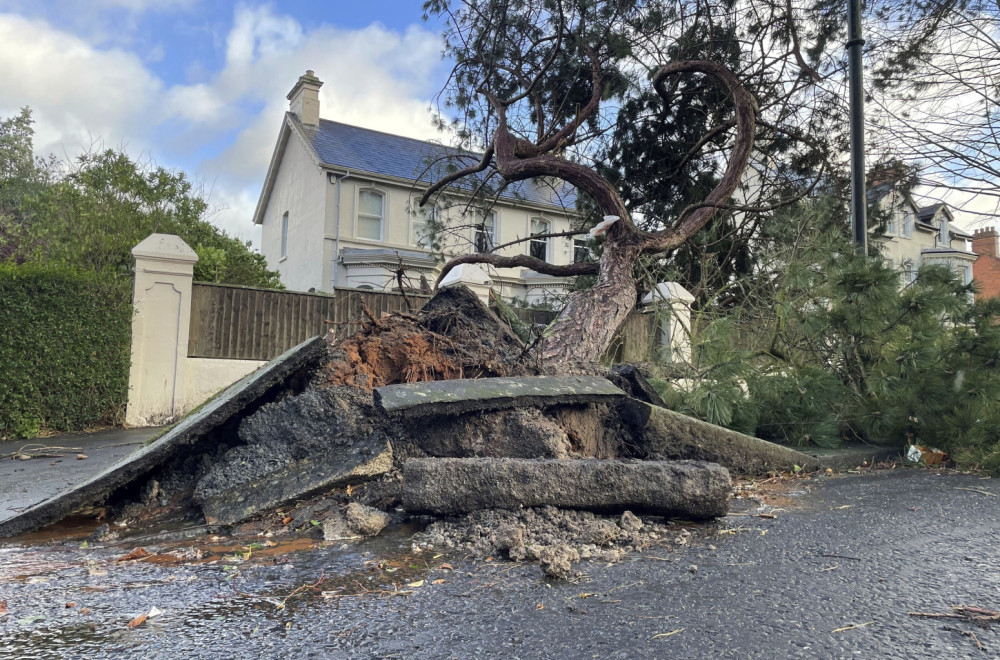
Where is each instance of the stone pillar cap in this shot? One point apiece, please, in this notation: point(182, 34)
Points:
point(667, 292)
point(165, 246)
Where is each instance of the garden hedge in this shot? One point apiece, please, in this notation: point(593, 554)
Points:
point(64, 349)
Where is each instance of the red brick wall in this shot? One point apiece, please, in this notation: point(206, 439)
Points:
point(986, 271)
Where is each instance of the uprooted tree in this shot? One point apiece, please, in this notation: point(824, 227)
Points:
point(551, 89)
point(513, 73)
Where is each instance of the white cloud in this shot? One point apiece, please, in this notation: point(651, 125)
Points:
point(258, 33)
point(79, 92)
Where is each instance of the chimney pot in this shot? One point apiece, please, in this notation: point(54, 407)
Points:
point(304, 99)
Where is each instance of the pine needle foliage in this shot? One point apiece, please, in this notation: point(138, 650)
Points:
point(827, 346)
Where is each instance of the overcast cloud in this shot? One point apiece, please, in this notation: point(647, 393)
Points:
point(215, 116)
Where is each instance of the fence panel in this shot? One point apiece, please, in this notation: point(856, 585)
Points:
point(244, 323)
point(233, 322)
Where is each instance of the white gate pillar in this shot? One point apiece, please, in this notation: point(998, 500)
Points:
point(164, 270)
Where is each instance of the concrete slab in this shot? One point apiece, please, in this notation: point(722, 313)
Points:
point(662, 434)
point(450, 486)
point(236, 399)
point(24, 484)
point(451, 397)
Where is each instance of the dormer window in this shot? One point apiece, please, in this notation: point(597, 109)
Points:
point(371, 214)
point(890, 225)
point(907, 223)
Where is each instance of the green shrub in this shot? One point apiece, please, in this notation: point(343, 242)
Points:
point(64, 349)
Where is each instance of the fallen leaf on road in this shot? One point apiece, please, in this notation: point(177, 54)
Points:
point(846, 506)
point(81, 457)
point(667, 634)
point(539, 607)
point(137, 621)
point(446, 567)
point(70, 604)
point(138, 553)
point(438, 581)
point(587, 595)
point(418, 583)
point(3, 608)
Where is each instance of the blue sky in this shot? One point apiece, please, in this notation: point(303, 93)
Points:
point(200, 85)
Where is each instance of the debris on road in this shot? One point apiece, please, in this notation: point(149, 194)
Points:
point(441, 412)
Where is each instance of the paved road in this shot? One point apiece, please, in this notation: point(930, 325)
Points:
point(905, 540)
point(25, 483)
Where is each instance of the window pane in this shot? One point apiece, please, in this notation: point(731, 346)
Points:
point(284, 234)
point(485, 238)
point(539, 226)
point(537, 249)
point(370, 228)
point(370, 203)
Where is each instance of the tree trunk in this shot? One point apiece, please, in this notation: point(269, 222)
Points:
point(586, 326)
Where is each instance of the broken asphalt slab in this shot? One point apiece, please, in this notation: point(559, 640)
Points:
point(24, 483)
point(451, 486)
point(662, 434)
point(237, 399)
point(453, 397)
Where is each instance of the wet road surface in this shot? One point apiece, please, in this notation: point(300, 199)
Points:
point(834, 575)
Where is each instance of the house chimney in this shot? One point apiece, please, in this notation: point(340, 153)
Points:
point(304, 99)
point(984, 241)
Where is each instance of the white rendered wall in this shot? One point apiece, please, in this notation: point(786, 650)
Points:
point(299, 189)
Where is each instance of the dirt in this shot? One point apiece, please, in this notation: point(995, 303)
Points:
point(556, 538)
point(455, 335)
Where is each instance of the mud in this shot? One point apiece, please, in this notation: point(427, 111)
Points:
point(556, 538)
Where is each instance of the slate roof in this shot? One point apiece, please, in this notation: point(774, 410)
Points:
point(362, 149)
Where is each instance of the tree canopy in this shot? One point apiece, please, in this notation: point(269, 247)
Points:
point(90, 214)
point(638, 104)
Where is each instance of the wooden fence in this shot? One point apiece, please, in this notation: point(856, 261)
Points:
point(244, 323)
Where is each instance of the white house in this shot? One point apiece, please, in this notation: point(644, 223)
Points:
point(916, 235)
point(339, 209)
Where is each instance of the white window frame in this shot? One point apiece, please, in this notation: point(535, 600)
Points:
point(481, 216)
point(890, 225)
point(358, 214)
point(580, 244)
point(284, 235)
point(908, 223)
point(546, 242)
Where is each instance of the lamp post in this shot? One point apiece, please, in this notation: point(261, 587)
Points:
point(859, 221)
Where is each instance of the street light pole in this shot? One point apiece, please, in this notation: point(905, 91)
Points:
point(859, 221)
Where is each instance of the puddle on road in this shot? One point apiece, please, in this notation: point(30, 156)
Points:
point(201, 584)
